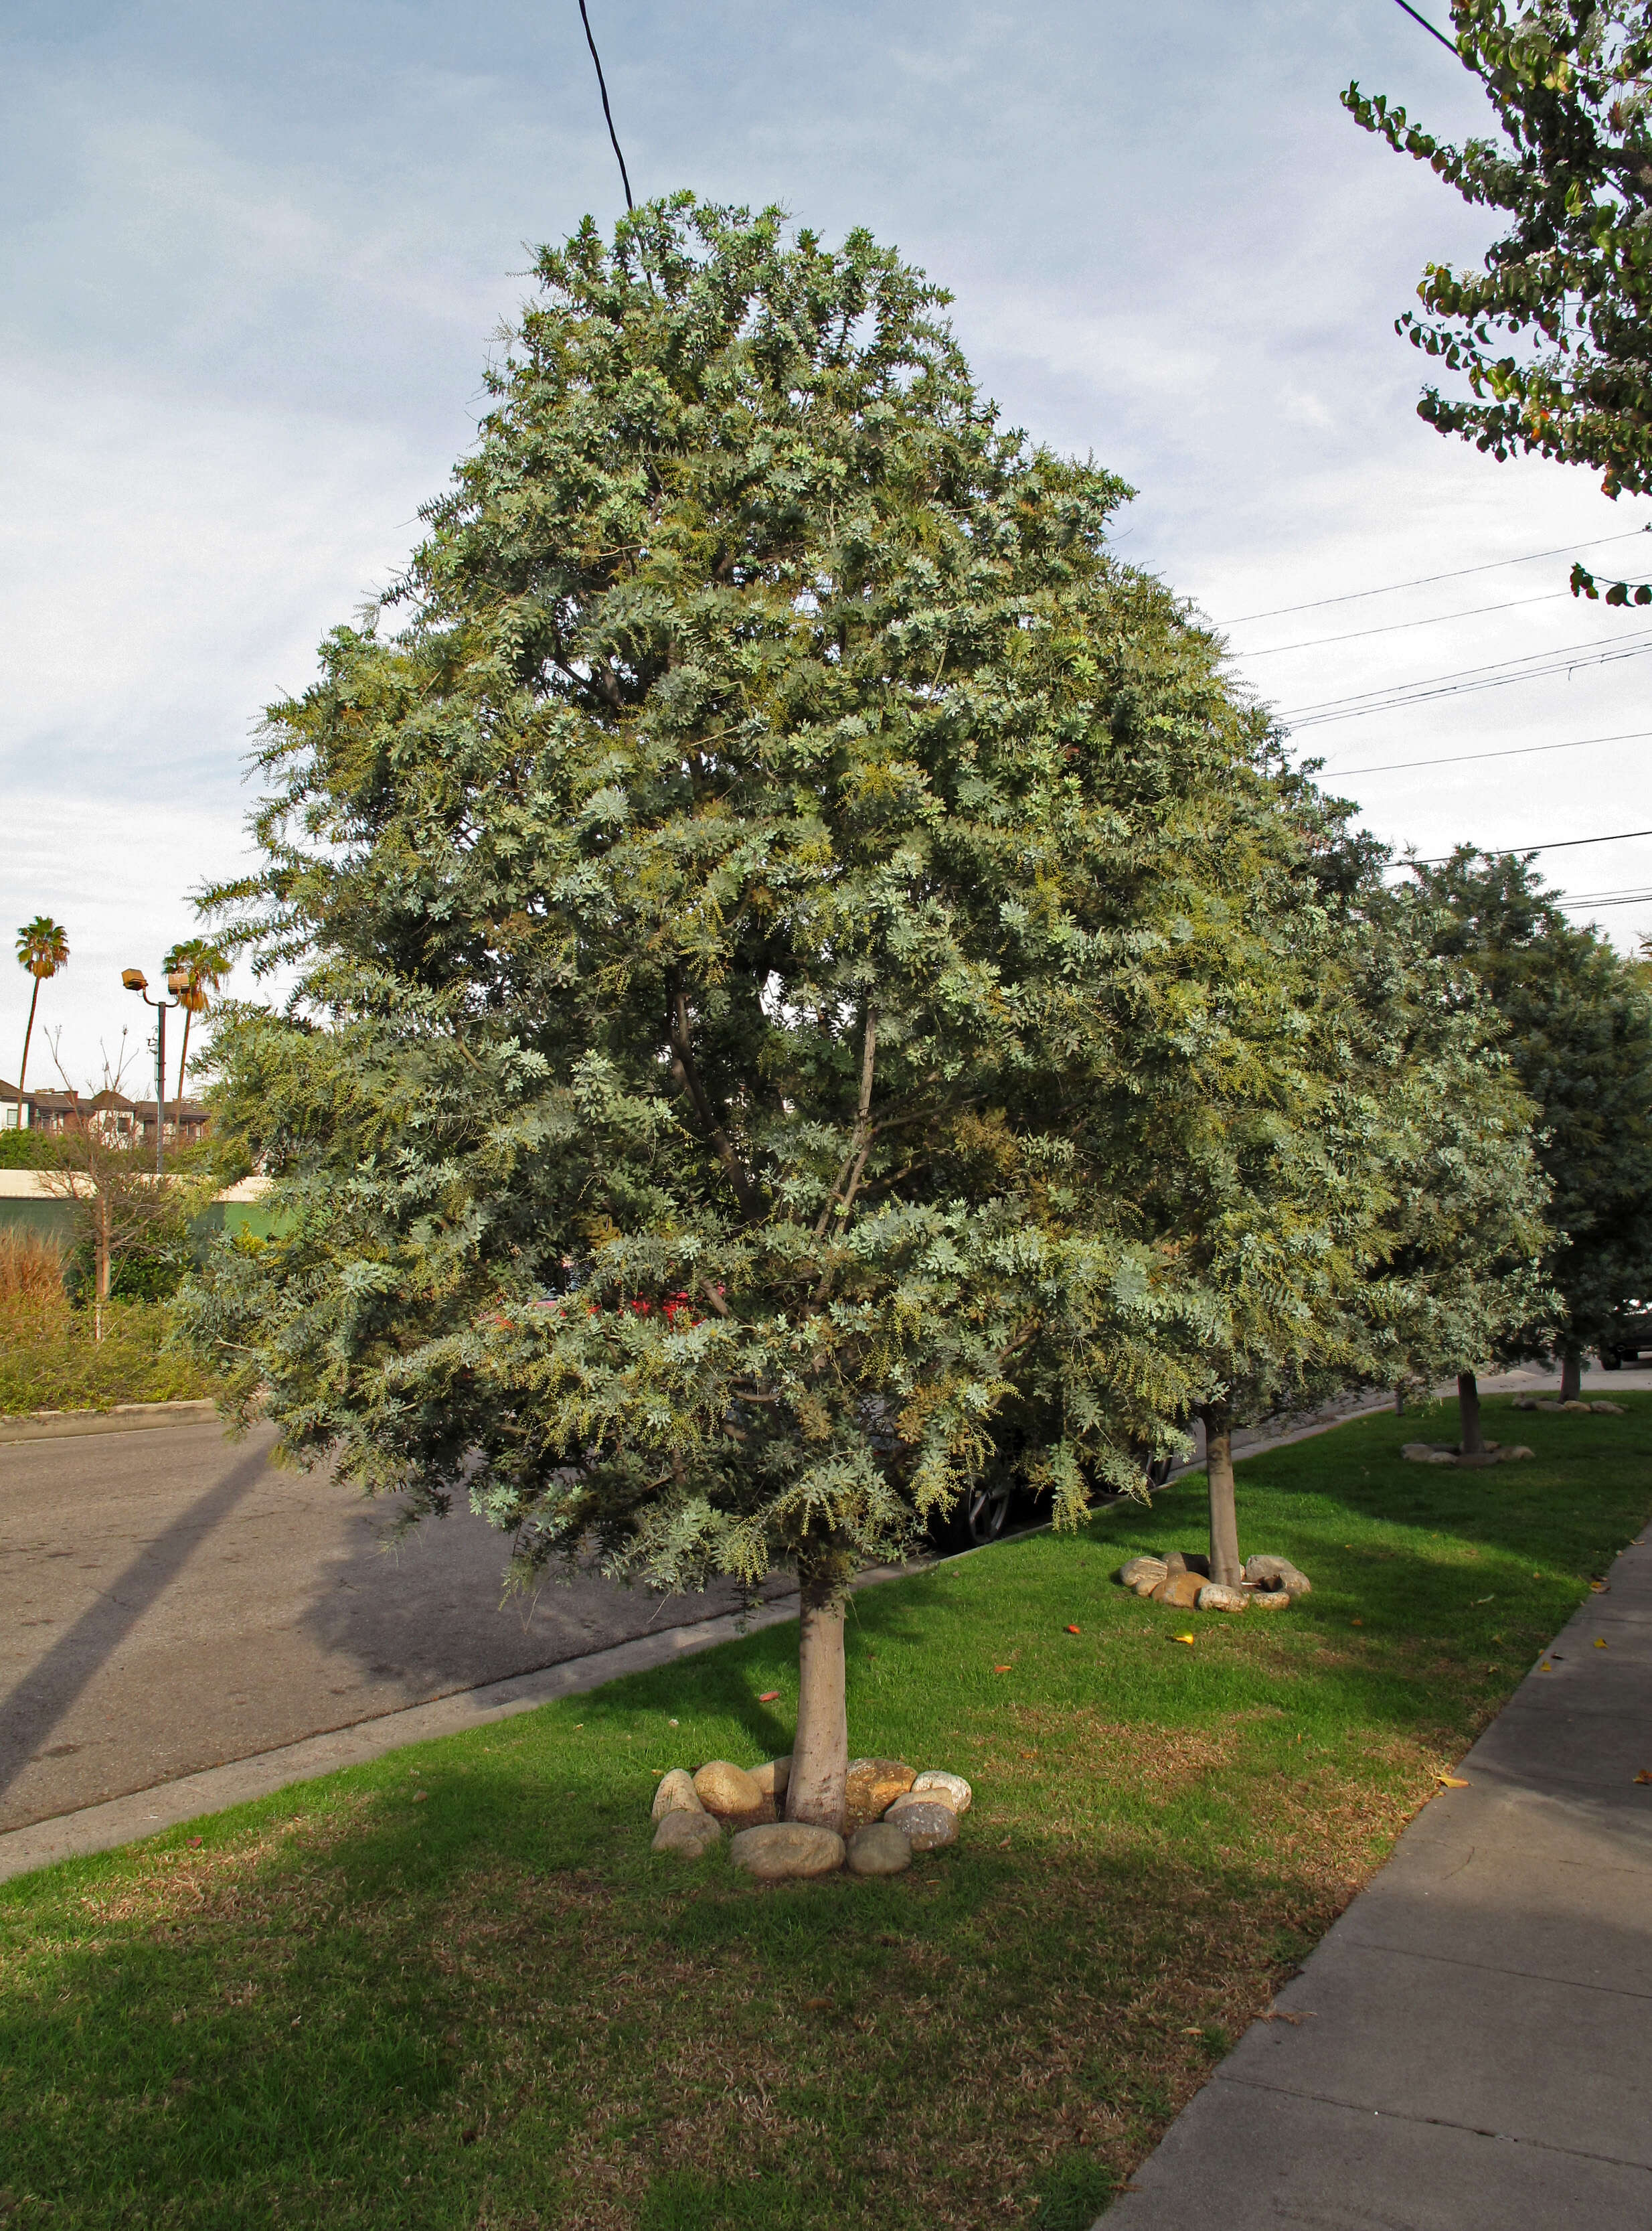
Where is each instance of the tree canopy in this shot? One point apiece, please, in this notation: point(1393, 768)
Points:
point(1553, 333)
point(810, 984)
point(1579, 1033)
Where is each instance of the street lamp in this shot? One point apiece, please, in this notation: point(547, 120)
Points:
point(135, 980)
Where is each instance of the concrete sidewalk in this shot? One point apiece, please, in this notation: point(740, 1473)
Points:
point(1470, 2048)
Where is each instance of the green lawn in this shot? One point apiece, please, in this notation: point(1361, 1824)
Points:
point(455, 1990)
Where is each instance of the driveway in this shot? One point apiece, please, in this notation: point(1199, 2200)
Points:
point(168, 1602)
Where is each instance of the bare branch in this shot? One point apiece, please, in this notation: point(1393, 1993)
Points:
point(683, 1068)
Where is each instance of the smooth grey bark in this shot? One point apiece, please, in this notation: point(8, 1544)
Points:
point(1224, 1519)
point(820, 1751)
point(1570, 1373)
point(1469, 1443)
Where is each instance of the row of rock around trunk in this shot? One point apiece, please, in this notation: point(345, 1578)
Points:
point(891, 1813)
point(1183, 1581)
point(1437, 1452)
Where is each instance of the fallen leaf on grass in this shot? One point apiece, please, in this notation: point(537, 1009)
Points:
point(1181, 1638)
point(1000, 1669)
point(1483, 1599)
point(195, 1843)
point(1451, 1782)
point(1356, 1622)
point(1278, 2014)
point(1072, 1630)
point(769, 1697)
point(419, 1796)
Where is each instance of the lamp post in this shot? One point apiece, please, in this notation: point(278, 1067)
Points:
point(135, 980)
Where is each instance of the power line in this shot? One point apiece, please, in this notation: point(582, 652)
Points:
point(1632, 898)
point(1450, 45)
point(1534, 666)
point(1511, 751)
point(1559, 845)
point(1427, 580)
point(602, 86)
point(1395, 627)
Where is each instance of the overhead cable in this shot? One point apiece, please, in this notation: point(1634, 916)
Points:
point(1427, 580)
point(1510, 752)
point(1557, 844)
point(1450, 45)
point(602, 86)
point(1534, 666)
point(1395, 627)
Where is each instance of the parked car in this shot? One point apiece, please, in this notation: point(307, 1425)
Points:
point(1631, 1337)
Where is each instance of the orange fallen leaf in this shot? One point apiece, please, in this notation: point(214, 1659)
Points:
point(1451, 1782)
point(1600, 1587)
point(1356, 1622)
point(1072, 1630)
point(1000, 1669)
point(1645, 1774)
point(769, 1696)
point(1181, 1638)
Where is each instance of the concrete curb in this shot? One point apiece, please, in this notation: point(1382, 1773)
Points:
point(147, 1811)
point(124, 1417)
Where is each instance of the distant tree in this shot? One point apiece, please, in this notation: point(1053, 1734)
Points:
point(1579, 1033)
point(203, 966)
point(43, 949)
point(117, 1206)
point(768, 933)
point(1554, 334)
point(1463, 1276)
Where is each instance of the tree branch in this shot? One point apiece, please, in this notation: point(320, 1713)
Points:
point(683, 1068)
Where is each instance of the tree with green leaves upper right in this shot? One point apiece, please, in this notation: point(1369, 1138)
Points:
point(1578, 1030)
point(1553, 335)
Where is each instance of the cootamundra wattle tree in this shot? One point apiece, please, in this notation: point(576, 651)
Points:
point(744, 922)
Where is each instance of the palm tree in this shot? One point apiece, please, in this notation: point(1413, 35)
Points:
point(202, 967)
point(43, 949)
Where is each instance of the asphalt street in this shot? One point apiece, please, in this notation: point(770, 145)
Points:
point(170, 1601)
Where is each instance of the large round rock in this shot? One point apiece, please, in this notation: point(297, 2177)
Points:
point(1276, 1573)
point(772, 1777)
point(1151, 1570)
point(676, 1793)
point(728, 1791)
point(949, 1788)
point(1180, 1590)
point(878, 1849)
point(872, 1786)
point(1213, 1596)
point(924, 1821)
point(780, 1851)
point(688, 1835)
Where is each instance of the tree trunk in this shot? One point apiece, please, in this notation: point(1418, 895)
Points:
point(34, 1001)
point(1570, 1373)
point(820, 1752)
point(1225, 1566)
point(103, 1255)
point(1469, 1443)
point(182, 1057)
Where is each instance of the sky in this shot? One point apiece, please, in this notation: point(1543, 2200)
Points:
point(256, 259)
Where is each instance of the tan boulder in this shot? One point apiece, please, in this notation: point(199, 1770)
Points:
point(1270, 1599)
point(871, 1787)
point(878, 1849)
point(728, 1791)
point(1607, 1409)
point(1215, 1596)
point(924, 1823)
point(676, 1793)
point(784, 1850)
point(1180, 1591)
point(687, 1835)
point(951, 1788)
point(1137, 1570)
point(772, 1777)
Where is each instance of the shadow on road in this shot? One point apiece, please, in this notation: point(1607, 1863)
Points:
point(45, 1692)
